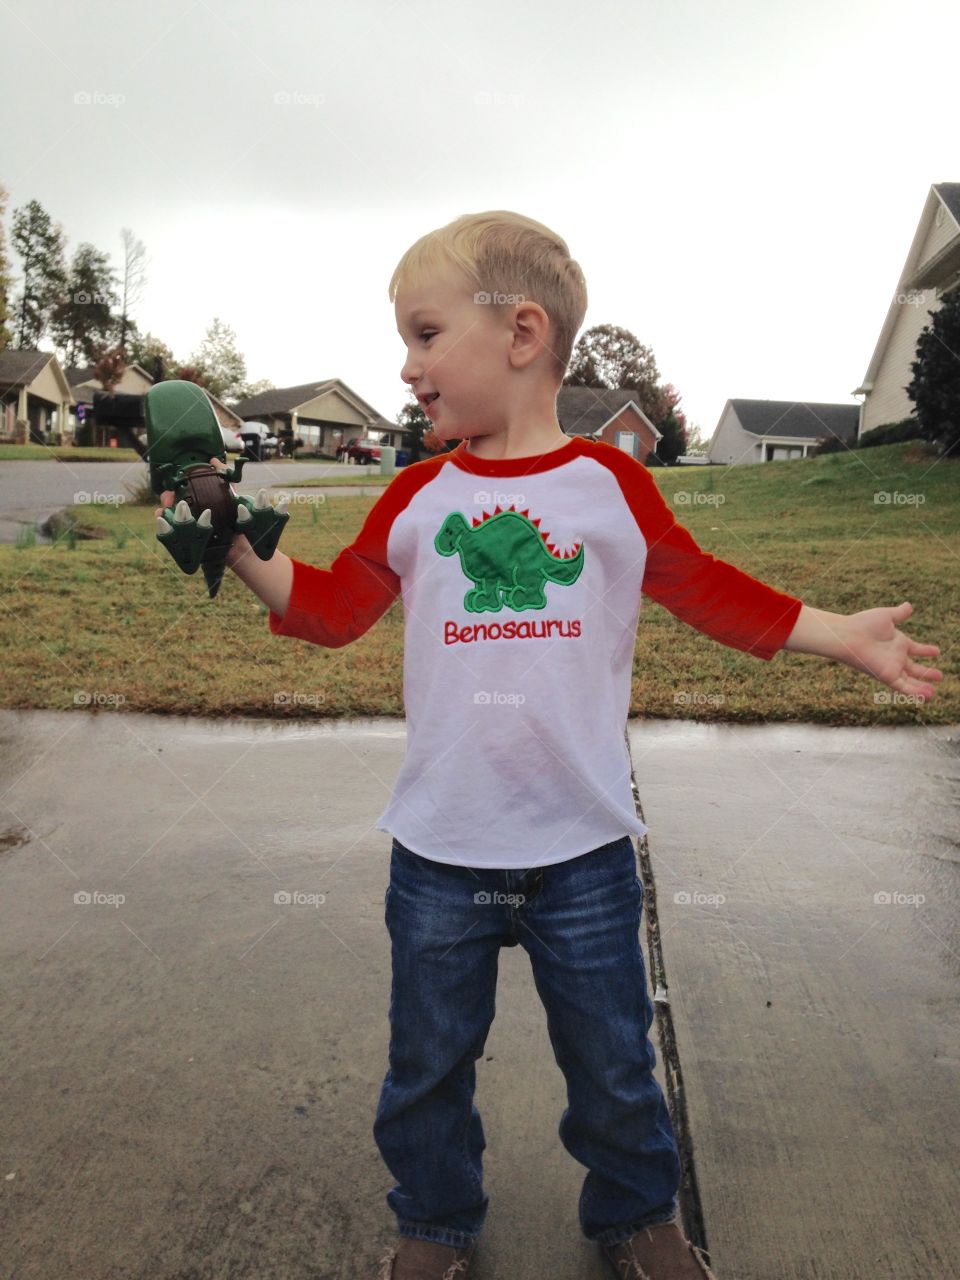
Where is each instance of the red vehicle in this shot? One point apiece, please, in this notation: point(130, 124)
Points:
point(359, 450)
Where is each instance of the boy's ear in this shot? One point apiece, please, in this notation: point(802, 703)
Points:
point(531, 333)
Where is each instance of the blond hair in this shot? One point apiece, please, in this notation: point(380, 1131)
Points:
point(505, 254)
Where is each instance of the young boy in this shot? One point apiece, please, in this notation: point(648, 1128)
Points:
point(520, 557)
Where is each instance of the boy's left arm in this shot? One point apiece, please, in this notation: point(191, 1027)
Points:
point(869, 641)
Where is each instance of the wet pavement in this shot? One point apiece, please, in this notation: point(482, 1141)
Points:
point(32, 491)
point(193, 1063)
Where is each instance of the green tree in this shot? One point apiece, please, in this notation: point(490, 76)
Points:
point(219, 363)
point(39, 242)
point(935, 386)
point(146, 349)
point(82, 321)
point(610, 357)
point(6, 282)
point(412, 418)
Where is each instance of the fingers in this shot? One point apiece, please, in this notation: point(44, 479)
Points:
point(166, 500)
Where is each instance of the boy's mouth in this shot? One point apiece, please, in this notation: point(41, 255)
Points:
point(427, 401)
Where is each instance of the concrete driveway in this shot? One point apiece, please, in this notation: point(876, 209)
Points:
point(192, 1071)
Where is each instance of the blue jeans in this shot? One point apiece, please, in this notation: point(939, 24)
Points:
point(579, 922)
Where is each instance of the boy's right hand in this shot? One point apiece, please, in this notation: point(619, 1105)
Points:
point(166, 498)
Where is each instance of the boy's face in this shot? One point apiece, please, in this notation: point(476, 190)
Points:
point(458, 349)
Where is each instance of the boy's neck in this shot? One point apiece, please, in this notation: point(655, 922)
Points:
point(528, 443)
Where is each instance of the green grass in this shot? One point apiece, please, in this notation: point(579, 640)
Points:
point(112, 617)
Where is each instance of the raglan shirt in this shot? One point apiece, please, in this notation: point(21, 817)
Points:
point(521, 582)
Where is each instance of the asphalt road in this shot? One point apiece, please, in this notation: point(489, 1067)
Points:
point(31, 492)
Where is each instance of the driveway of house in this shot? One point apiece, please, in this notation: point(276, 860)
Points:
point(196, 977)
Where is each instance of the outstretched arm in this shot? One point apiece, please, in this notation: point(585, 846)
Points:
point(868, 641)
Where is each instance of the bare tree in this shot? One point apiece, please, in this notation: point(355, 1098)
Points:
point(133, 280)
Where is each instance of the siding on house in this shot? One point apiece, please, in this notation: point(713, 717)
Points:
point(888, 401)
point(732, 445)
point(637, 434)
point(932, 259)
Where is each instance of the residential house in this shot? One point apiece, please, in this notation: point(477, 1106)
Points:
point(322, 414)
point(614, 417)
point(931, 270)
point(35, 397)
point(777, 430)
point(134, 381)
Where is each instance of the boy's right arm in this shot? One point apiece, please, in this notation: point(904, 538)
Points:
point(329, 607)
point(271, 579)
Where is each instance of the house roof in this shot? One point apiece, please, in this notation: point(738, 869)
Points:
point(585, 411)
point(19, 366)
point(949, 193)
point(78, 374)
point(282, 399)
point(787, 418)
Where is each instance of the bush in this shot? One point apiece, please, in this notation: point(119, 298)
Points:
point(891, 433)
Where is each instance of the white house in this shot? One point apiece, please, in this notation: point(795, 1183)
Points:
point(778, 430)
point(932, 269)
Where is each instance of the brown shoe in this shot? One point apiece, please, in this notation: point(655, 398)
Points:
point(423, 1260)
point(658, 1253)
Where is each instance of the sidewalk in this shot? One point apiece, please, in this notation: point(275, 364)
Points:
point(193, 1072)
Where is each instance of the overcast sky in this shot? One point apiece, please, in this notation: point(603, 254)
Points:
point(739, 181)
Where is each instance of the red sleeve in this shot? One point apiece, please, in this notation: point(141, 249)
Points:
point(711, 595)
point(333, 606)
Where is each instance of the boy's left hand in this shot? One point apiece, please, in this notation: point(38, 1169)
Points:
point(872, 643)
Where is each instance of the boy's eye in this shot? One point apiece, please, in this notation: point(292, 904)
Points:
point(427, 333)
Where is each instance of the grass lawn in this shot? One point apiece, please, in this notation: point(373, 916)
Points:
point(112, 622)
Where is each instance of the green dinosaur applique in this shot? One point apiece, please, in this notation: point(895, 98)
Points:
point(507, 558)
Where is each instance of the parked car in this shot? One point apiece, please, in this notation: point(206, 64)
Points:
point(362, 451)
point(258, 440)
point(231, 441)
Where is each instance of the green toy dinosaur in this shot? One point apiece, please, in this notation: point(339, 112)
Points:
point(183, 434)
point(507, 558)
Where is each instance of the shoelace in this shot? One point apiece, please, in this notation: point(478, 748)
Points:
point(451, 1271)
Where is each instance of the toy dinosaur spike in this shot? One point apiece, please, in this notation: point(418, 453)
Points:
point(183, 434)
